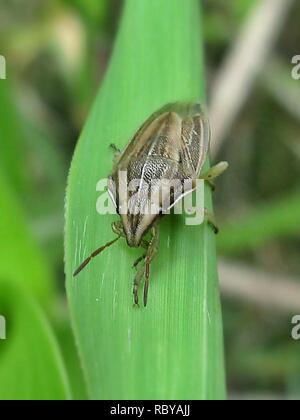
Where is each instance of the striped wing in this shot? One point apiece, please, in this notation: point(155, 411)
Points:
point(195, 138)
point(178, 131)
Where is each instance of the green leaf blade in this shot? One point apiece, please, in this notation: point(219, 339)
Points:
point(20, 258)
point(173, 349)
point(31, 367)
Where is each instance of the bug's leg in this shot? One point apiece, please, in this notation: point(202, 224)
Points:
point(93, 255)
point(136, 284)
point(210, 219)
point(144, 244)
point(214, 172)
point(141, 258)
point(140, 274)
point(151, 252)
point(115, 148)
point(117, 152)
point(117, 228)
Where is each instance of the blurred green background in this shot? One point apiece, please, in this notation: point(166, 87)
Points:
point(56, 55)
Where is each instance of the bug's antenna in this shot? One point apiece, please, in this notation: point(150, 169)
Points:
point(93, 255)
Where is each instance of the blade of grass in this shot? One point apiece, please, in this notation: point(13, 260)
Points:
point(30, 160)
point(20, 258)
point(65, 337)
point(31, 367)
point(11, 148)
point(24, 267)
point(271, 221)
point(173, 349)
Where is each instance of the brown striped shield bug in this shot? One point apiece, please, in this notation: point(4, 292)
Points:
point(172, 145)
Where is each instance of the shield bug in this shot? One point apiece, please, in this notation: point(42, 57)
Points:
point(169, 148)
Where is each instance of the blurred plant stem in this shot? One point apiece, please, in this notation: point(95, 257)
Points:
point(276, 78)
point(277, 219)
point(255, 287)
point(242, 65)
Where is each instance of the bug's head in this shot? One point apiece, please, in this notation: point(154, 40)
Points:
point(133, 207)
point(136, 226)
